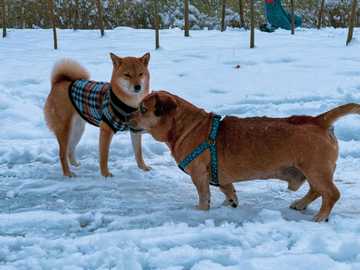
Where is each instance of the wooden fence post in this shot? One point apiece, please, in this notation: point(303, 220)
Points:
point(53, 22)
point(321, 14)
point(100, 17)
point(351, 22)
point(292, 18)
point(252, 25)
point(3, 8)
point(186, 18)
point(223, 10)
point(157, 24)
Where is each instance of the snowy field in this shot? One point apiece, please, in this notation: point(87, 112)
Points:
point(139, 220)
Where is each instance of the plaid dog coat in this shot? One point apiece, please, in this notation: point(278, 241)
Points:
point(96, 102)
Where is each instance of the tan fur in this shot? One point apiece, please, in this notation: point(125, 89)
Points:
point(68, 126)
point(291, 149)
point(68, 69)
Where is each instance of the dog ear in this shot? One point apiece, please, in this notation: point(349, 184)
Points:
point(116, 60)
point(164, 105)
point(145, 59)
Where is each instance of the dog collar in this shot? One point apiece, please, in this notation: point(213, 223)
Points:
point(119, 107)
point(210, 144)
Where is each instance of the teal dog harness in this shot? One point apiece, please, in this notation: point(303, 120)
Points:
point(210, 144)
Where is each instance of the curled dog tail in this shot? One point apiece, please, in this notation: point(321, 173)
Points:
point(68, 70)
point(327, 119)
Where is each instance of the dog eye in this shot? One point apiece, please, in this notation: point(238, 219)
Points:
point(141, 74)
point(127, 75)
point(143, 110)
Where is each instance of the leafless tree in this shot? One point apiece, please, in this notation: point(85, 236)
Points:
point(53, 22)
point(100, 17)
point(186, 18)
point(157, 24)
point(223, 9)
point(3, 8)
point(321, 14)
point(351, 22)
point(252, 24)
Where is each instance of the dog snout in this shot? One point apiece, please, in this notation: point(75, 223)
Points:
point(137, 88)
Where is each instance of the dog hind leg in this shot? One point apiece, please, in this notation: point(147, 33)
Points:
point(77, 130)
point(63, 140)
point(302, 203)
point(321, 183)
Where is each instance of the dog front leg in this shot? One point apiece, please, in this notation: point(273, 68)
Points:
point(202, 185)
point(136, 143)
point(106, 134)
point(230, 194)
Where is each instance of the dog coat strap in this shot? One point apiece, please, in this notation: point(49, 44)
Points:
point(210, 144)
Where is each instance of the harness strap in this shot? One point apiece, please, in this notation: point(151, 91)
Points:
point(210, 144)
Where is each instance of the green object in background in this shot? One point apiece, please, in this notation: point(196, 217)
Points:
point(277, 17)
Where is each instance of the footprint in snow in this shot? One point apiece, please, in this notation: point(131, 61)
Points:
point(280, 60)
point(217, 91)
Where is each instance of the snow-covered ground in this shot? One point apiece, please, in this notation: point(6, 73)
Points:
point(140, 220)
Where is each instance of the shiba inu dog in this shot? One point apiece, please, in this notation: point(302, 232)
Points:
point(293, 149)
point(75, 100)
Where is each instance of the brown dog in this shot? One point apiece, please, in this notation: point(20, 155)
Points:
point(74, 99)
point(291, 149)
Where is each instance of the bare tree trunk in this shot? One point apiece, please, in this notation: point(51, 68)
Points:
point(157, 24)
point(292, 18)
point(101, 17)
point(252, 25)
point(241, 13)
point(223, 9)
point(321, 14)
point(52, 18)
point(186, 18)
point(3, 8)
point(351, 22)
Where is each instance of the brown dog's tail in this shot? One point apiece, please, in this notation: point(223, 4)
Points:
point(327, 119)
point(68, 70)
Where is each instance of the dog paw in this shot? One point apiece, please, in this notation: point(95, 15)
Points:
point(321, 218)
point(75, 163)
point(298, 205)
point(231, 202)
point(145, 168)
point(107, 174)
point(203, 207)
point(70, 174)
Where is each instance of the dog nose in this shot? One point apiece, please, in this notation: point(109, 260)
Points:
point(137, 88)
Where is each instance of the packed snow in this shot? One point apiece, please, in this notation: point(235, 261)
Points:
point(147, 220)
